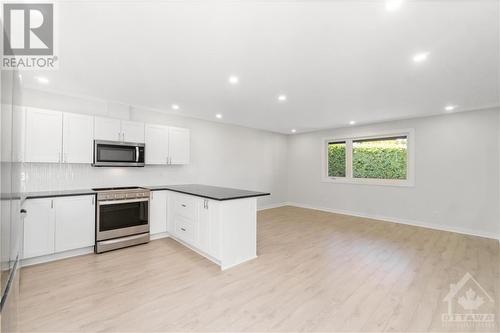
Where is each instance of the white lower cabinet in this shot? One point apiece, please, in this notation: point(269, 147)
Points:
point(193, 220)
point(209, 228)
point(158, 212)
point(39, 228)
point(58, 224)
point(185, 229)
point(75, 226)
point(223, 231)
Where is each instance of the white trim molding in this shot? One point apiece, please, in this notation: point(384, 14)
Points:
point(349, 179)
point(57, 256)
point(428, 225)
point(271, 206)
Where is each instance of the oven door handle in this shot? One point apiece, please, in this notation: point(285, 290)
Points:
point(136, 154)
point(117, 202)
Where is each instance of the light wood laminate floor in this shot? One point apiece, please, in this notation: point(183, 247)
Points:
point(316, 271)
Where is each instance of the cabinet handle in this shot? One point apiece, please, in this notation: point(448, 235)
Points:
point(93, 200)
point(183, 229)
point(123, 136)
point(183, 205)
point(52, 203)
point(119, 136)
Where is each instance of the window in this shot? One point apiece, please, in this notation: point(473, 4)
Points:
point(384, 159)
point(336, 159)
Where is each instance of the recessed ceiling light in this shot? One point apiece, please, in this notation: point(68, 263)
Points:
point(282, 98)
point(175, 107)
point(42, 80)
point(352, 122)
point(233, 79)
point(218, 116)
point(450, 107)
point(419, 57)
point(294, 130)
point(393, 5)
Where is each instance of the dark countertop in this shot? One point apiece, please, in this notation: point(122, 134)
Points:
point(51, 194)
point(204, 191)
point(210, 192)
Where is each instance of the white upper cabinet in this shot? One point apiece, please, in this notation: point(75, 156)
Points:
point(118, 130)
point(132, 131)
point(178, 145)
point(167, 145)
point(156, 144)
point(58, 137)
point(107, 129)
point(43, 135)
point(74, 222)
point(78, 134)
point(158, 212)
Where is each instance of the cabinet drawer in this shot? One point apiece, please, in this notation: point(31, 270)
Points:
point(185, 206)
point(185, 230)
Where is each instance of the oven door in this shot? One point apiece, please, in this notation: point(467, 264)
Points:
point(110, 153)
point(119, 218)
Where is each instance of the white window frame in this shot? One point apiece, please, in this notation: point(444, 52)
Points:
point(348, 179)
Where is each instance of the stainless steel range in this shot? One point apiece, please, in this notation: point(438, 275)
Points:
point(122, 217)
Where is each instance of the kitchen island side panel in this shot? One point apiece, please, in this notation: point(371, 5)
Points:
point(239, 231)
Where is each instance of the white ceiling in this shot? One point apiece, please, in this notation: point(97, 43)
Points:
point(336, 61)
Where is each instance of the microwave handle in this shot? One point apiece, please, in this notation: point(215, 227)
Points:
point(136, 154)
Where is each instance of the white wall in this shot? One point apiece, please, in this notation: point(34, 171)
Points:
point(456, 184)
point(456, 188)
point(222, 155)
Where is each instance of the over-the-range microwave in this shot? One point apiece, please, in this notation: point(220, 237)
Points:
point(118, 154)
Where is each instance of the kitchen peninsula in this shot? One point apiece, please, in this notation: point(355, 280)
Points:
point(217, 222)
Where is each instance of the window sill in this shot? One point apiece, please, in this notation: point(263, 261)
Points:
point(362, 181)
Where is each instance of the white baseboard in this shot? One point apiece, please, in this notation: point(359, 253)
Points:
point(159, 236)
point(73, 253)
point(56, 256)
point(428, 225)
point(276, 205)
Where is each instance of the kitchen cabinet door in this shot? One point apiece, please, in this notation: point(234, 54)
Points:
point(43, 136)
point(132, 131)
point(74, 222)
point(107, 129)
point(158, 212)
point(179, 145)
point(78, 138)
point(156, 144)
point(208, 227)
point(39, 228)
